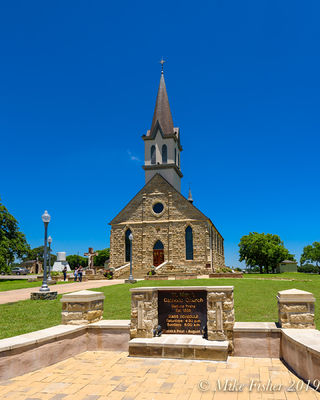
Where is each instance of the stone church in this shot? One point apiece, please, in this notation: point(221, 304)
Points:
point(168, 230)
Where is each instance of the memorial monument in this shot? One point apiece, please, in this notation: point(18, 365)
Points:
point(91, 254)
point(196, 322)
point(61, 262)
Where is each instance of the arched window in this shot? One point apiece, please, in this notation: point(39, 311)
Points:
point(175, 156)
point(158, 245)
point(153, 154)
point(127, 245)
point(189, 243)
point(164, 154)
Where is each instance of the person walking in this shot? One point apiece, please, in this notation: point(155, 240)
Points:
point(75, 274)
point(64, 273)
point(80, 273)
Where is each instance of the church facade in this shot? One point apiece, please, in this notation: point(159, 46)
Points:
point(168, 230)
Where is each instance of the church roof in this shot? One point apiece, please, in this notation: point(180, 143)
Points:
point(133, 202)
point(162, 112)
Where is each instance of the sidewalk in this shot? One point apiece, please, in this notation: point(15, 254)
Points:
point(111, 375)
point(11, 296)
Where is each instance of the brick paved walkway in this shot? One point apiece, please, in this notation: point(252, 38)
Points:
point(111, 375)
point(11, 296)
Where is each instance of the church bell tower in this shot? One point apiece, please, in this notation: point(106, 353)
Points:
point(162, 142)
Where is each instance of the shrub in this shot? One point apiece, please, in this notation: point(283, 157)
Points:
point(309, 269)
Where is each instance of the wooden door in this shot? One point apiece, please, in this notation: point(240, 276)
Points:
point(158, 257)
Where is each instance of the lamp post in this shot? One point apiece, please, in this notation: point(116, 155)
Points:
point(130, 238)
point(130, 280)
point(49, 270)
point(46, 219)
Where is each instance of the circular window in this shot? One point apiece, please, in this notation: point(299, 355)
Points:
point(158, 208)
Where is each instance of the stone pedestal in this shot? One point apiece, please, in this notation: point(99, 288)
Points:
point(181, 309)
point(61, 263)
point(220, 313)
point(83, 307)
point(144, 312)
point(296, 309)
point(130, 281)
point(43, 295)
point(219, 307)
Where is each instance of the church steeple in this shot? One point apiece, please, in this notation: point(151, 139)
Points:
point(162, 141)
point(162, 112)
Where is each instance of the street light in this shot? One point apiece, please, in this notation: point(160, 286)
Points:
point(131, 238)
point(49, 272)
point(46, 219)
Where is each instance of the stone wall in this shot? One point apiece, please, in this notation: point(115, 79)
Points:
point(221, 319)
point(220, 311)
point(83, 307)
point(296, 309)
point(144, 313)
point(169, 227)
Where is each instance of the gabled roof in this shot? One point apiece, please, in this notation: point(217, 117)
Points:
point(162, 112)
point(157, 176)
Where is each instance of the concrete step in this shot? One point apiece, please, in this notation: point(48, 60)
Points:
point(190, 347)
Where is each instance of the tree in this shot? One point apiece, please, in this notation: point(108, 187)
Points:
point(263, 250)
point(101, 258)
point(13, 243)
point(75, 260)
point(37, 253)
point(311, 254)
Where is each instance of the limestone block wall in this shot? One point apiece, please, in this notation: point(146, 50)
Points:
point(296, 309)
point(144, 313)
point(172, 235)
point(220, 312)
point(220, 309)
point(168, 226)
point(83, 307)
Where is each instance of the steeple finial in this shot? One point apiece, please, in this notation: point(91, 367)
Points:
point(162, 62)
point(190, 199)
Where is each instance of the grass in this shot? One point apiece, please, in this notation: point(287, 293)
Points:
point(293, 276)
point(6, 285)
point(255, 300)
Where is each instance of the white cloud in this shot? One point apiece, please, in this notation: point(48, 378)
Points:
point(133, 157)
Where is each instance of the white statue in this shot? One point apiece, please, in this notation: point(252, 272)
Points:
point(61, 262)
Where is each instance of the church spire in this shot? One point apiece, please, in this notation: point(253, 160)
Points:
point(162, 112)
point(162, 143)
point(190, 199)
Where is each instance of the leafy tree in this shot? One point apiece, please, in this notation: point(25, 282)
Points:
point(311, 254)
point(101, 258)
point(13, 243)
point(75, 260)
point(308, 268)
point(38, 252)
point(262, 250)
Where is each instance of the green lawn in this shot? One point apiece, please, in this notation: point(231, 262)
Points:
point(6, 285)
point(255, 300)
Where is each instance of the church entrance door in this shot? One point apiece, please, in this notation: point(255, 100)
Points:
point(158, 253)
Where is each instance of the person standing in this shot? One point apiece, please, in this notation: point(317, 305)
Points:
point(64, 273)
point(75, 274)
point(80, 273)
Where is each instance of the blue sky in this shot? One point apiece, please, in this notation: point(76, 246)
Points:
point(78, 82)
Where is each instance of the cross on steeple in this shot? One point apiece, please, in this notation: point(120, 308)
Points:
point(162, 62)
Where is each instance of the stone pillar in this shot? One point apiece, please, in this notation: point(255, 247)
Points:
point(220, 314)
point(144, 312)
point(296, 309)
point(83, 307)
